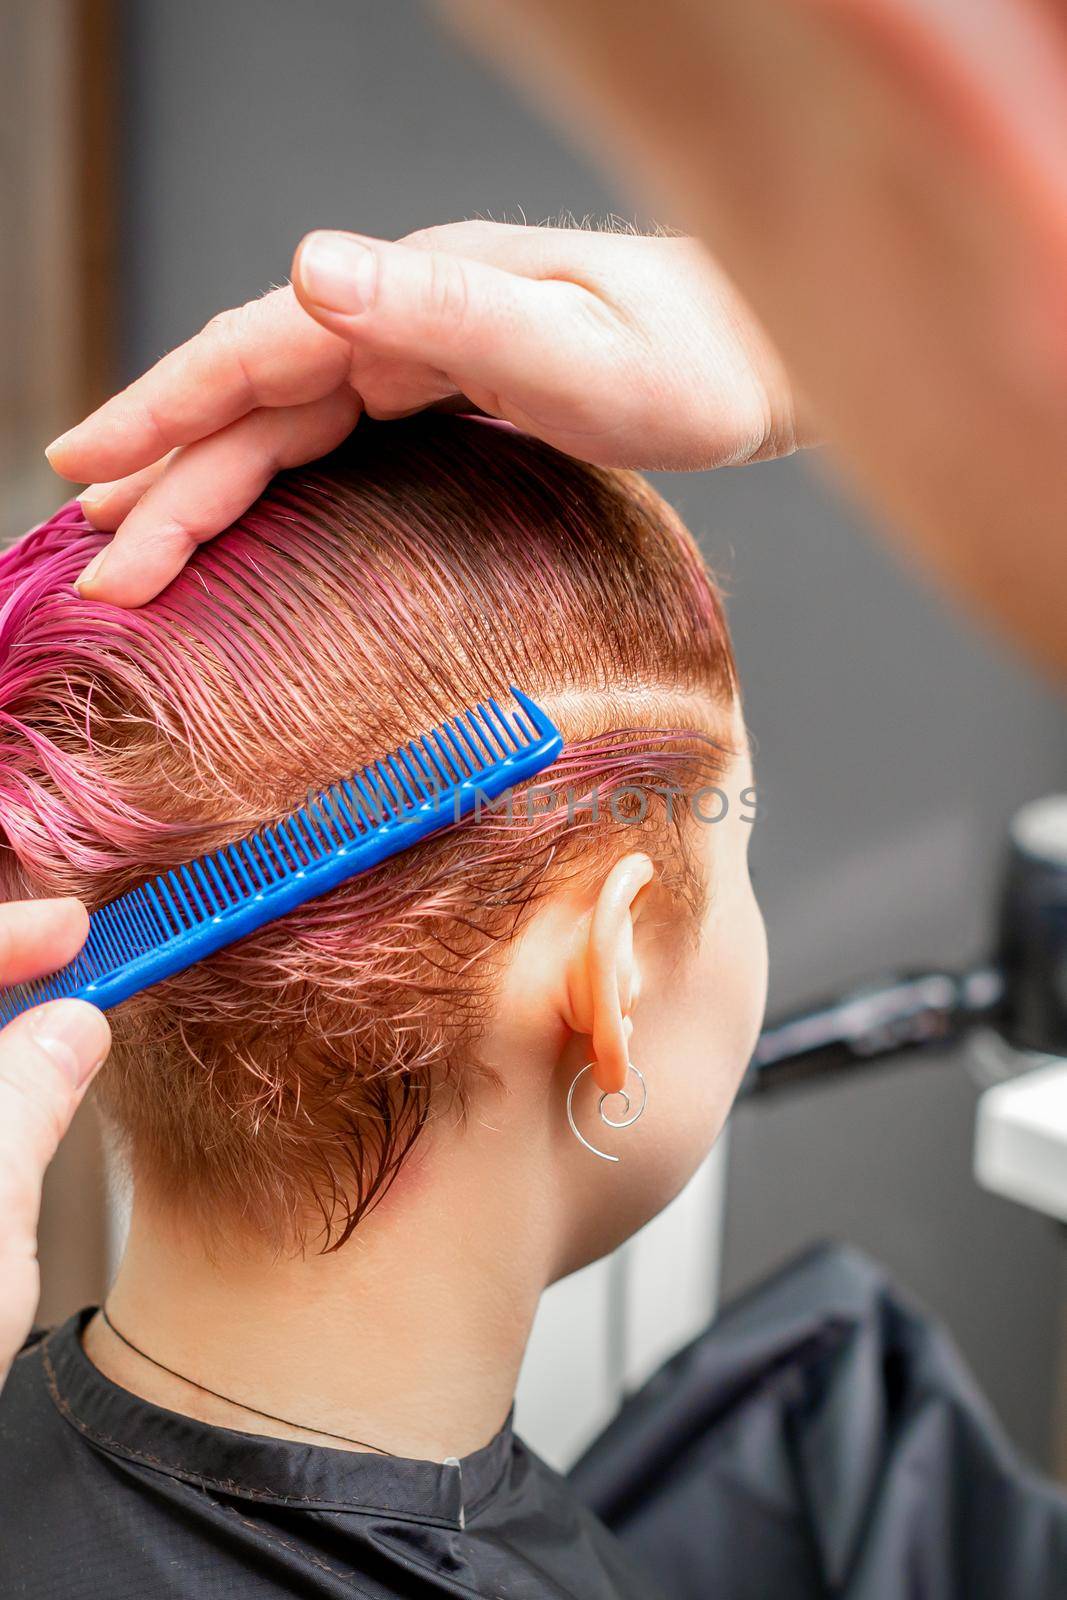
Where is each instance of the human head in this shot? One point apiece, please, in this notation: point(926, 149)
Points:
point(283, 1084)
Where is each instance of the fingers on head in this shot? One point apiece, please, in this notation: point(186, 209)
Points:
point(206, 486)
point(265, 353)
point(106, 505)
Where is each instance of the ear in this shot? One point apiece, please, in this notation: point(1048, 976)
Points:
point(604, 977)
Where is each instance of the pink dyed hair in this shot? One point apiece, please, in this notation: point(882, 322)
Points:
point(423, 566)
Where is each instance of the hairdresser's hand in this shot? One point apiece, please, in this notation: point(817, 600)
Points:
point(47, 1059)
point(885, 180)
point(623, 350)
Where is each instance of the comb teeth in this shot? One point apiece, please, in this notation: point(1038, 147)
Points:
point(170, 922)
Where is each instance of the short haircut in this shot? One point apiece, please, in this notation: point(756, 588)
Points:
point(426, 564)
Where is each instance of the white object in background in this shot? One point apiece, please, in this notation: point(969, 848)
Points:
point(601, 1332)
point(567, 1389)
point(672, 1274)
point(1020, 1148)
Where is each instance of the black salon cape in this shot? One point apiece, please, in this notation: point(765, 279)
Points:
point(105, 1496)
point(825, 1441)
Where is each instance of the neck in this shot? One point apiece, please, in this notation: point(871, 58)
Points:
point(408, 1339)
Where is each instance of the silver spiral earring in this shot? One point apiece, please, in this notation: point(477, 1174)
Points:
point(609, 1122)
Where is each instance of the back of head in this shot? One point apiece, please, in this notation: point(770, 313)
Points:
point(424, 566)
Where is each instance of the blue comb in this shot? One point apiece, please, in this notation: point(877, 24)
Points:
point(169, 923)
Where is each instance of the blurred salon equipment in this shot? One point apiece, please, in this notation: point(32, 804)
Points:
point(1021, 1144)
point(1020, 993)
point(1010, 1014)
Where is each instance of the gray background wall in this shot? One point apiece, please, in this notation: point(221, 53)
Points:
point(893, 741)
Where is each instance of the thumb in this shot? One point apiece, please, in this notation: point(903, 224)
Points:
point(492, 331)
point(47, 1058)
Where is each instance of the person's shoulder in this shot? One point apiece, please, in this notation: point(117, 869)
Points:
point(560, 1531)
point(38, 1490)
point(31, 1427)
point(24, 1392)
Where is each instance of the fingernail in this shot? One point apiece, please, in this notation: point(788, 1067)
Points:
point(337, 272)
point(89, 498)
point(74, 1035)
point(92, 571)
point(57, 444)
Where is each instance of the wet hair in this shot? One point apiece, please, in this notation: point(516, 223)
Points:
point(360, 601)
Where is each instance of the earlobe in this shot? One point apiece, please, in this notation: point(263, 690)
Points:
point(612, 967)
